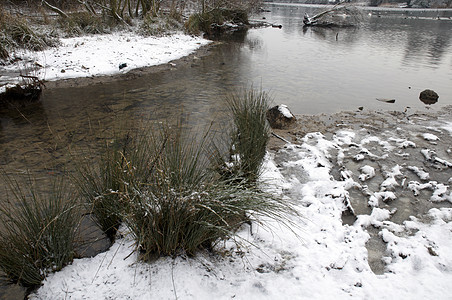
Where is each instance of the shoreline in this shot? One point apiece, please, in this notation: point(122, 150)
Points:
point(329, 123)
point(93, 59)
point(133, 73)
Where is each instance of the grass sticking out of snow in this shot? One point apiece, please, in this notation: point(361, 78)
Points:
point(250, 135)
point(16, 33)
point(160, 183)
point(79, 23)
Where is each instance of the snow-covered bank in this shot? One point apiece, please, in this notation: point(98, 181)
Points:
point(96, 55)
point(322, 174)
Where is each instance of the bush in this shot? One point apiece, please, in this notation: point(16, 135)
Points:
point(202, 22)
point(83, 22)
point(37, 236)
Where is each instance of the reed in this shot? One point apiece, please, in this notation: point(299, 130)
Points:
point(249, 136)
point(38, 231)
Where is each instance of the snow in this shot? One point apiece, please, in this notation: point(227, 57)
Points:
point(447, 126)
point(430, 137)
point(322, 258)
point(419, 172)
point(284, 110)
point(96, 55)
point(367, 172)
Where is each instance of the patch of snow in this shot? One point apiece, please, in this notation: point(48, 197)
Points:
point(367, 172)
point(448, 127)
point(439, 190)
point(428, 154)
point(390, 182)
point(403, 143)
point(419, 172)
point(430, 137)
point(284, 110)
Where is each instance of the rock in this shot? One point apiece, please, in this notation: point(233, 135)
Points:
point(91, 239)
point(280, 117)
point(122, 66)
point(428, 97)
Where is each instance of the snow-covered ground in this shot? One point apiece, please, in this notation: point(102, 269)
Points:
point(328, 259)
point(95, 55)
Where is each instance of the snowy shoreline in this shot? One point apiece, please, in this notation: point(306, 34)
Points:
point(321, 174)
point(100, 55)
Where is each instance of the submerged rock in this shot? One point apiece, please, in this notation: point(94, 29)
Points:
point(280, 117)
point(429, 97)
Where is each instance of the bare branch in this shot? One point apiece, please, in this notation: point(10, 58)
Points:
point(54, 9)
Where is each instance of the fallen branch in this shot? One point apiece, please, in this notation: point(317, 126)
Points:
point(54, 9)
point(35, 79)
point(281, 138)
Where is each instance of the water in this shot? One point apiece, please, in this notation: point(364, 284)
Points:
point(393, 56)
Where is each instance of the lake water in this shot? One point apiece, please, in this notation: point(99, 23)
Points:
point(392, 54)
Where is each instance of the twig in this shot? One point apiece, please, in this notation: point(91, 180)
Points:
point(281, 138)
point(34, 78)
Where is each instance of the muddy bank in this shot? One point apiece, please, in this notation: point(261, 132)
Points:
point(372, 120)
point(399, 163)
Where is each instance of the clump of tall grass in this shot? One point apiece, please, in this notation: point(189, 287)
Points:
point(249, 136)
point(161, 184)
point(4, 54)
point(159, 25)
point(125, 160)
point(185, 206)
point(16, 33)
point(38, 232)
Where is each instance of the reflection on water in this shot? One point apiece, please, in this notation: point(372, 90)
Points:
point(393, 54)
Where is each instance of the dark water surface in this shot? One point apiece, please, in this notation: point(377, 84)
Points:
point(393, 54)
